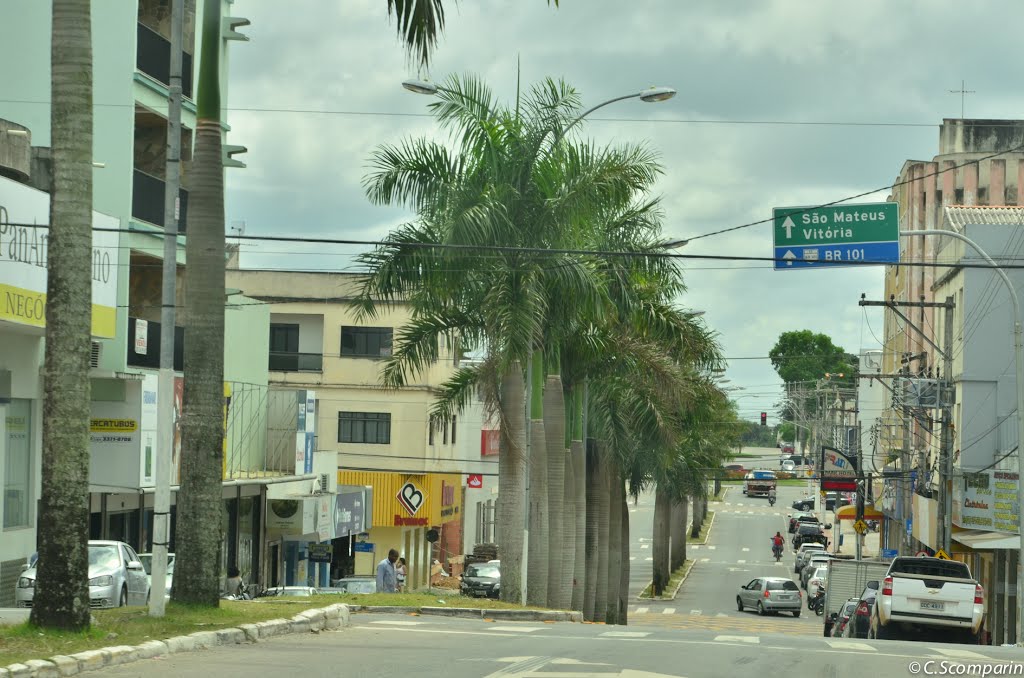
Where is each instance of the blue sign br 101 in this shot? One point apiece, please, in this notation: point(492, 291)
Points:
point(846, 254)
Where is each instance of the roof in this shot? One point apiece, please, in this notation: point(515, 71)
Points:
point(958, 216)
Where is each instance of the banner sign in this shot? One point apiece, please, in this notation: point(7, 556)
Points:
point(838, 471)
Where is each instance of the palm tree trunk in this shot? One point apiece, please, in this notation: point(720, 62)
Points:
point(568, 534)
point(593, 475)
point(615, 494)
point(662, 533)
point(698, 518)
point(510, 512)
point(579, 466)
point(61, 595)
point(603, 503)
point(537, 550)
point(554, 433)
point(624, 570)
point(679, 520)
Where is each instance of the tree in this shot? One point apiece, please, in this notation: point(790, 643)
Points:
point(200, 500)
point(805, 356)
point(61, 598)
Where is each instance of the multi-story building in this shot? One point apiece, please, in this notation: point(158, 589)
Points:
point(131, 52)
point(371, 437)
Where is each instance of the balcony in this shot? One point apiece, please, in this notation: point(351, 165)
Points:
point(151, 357)
point(153, 57)
point(288, 361)
point(148, 200)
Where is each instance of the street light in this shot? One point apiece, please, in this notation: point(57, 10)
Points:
point(1018, 350)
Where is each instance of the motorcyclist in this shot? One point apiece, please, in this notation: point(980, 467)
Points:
point(771, 497)
point(777, 542)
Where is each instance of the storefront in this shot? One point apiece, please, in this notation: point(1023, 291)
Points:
point(446, 517)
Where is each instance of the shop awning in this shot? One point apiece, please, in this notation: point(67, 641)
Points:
point(982, 540)
point(850, 513)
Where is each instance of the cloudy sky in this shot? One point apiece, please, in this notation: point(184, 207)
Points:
point(781, 103)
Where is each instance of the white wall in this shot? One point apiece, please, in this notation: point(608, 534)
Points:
point(471, 421)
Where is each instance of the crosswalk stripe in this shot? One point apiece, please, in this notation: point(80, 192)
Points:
point(669, 610)
point(712, 548)
point(617, 634)
point(959, 654)
point(642, 610)
point(705, 560)
point(645, 546)
point(649, 560)
point(741, 562)
point(745, 548)
point(517, 629)
point(850, 645)
point(695, 612)
point(398, 622)
point(632, 557)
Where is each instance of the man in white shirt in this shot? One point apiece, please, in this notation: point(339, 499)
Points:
point(387, 577)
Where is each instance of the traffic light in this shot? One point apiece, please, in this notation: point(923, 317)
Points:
point(764, 419)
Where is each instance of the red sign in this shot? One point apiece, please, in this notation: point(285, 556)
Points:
point(475, 480)
point(490, 442)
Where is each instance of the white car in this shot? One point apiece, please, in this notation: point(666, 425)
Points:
point(147, 565)
point(819, 578)
point(116, 577)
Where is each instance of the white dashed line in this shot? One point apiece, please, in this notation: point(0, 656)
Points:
point(398, 622)
point(850, 645)
point(741, 562)
point(618, 634)
point(744, 549)
point(738, 639)
point(669, 610)
point(695, 612)
point(649, 560)
point(516, 629)
point(959, 654)
point(632, 557)
point(705, 560)
point(645, 546)
point(712, 548)
point(642, 610)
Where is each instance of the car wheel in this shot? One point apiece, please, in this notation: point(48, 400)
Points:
point(739, 604)
point(760, 609)
point(796, 612)
point(124, 597)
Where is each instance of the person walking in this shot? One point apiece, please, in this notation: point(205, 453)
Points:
point(387, 576)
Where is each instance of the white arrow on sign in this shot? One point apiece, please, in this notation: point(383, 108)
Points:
point(789, 226)
point(789, 257)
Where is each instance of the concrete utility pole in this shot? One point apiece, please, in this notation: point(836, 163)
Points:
point(165, 386)
point(906, 510)
point(948, 397)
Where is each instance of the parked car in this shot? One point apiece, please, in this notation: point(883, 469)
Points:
point(290, 591)
point(353, 585)
point(147, 564)
point(860, 622)
point(810, 532)
point(818, 578)
point(481, 580)
point(804, 553)
point(808, 503)
point(801, 517)
point(770, 594)
point(843, 618)
point(116, 577)
point(811, 565)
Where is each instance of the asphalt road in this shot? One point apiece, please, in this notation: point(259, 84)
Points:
point(435, 647)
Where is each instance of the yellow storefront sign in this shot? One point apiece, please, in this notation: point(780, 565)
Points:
point(113, 425)
point(446, 489)
point(26, 307)
point(399, 499)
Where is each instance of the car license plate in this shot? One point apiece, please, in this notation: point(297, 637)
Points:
point(786, 596)
point(932, 605)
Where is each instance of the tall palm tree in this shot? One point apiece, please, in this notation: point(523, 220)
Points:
point(200, 499)
point(62, 595)
point(537, 582)
point(616, 492)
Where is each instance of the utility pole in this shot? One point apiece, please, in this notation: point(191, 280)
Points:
point(165, 385)
point(948, 395)
point(906, 512)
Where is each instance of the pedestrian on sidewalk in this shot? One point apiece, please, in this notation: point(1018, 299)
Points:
point(387, 576)
point(400, 573)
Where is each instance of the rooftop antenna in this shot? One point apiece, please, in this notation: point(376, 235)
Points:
point(963, 93)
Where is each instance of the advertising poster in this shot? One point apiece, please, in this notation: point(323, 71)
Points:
point(149, 426)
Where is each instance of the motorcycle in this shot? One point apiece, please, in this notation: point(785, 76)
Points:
point(816, 604)
point(777, 552)
point(771, 500)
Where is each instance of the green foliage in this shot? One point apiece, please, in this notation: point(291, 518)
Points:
point(786, 432)
point(754, 435)
point(805, 356)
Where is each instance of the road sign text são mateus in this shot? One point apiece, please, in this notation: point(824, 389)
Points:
point(822, 236)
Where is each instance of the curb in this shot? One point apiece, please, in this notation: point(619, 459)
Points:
point(707, 535)
point(308, 621)
point(473, 613)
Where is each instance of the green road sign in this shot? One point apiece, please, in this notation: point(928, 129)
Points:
point(835, 225)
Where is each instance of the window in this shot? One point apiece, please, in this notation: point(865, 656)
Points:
point(366, 342)
point(453, 430)
point(18, 465)
point(284, 338)
point(430, 432)
point(444, 439)
point(364, 427)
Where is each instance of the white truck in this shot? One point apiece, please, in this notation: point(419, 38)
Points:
point(928, 595)
point(847, 579)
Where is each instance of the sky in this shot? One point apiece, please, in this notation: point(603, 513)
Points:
point(780, 103)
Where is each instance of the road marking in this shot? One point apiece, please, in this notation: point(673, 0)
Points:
point(622, 634)
point(398, 622)
point(645, 546)
point(959, 654)
point(850, 645)
point(741, 562)
point(744, 549)
point(721, 614)
point(712, 548)
point(750, 512)
point(693, 546)
point(517, 629)
point(649, 560)
point(695, 612)
point(739, 504)
point(738, 639)
point(642, 610)
point(705, 560)
point(643, 539)
point(632, 557)
point(669, 610)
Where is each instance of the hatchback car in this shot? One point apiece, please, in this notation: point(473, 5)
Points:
point(770, 594)
point(481, 580)
point(116, 577)
point(860, 621)
point(147, 565)
point(843, 617)
point(811, 565)
point(804, 554)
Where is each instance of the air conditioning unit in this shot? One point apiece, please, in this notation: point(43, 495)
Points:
point(921, 392)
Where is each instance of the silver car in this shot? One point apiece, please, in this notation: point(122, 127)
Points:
point(770, 594)
point(116, 577)
point(147, 565)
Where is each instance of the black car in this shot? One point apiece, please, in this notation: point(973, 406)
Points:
point(809, 532)
point(860, 621)
point(481, 580)
point(807, 503)
point(798, 519)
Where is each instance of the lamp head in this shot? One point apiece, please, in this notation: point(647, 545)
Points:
point(420, 86)
point(656, 94)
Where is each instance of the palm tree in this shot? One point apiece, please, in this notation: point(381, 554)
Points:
point(537, 582)
point(200, 503)
point(62, 595)
point(616, 492)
